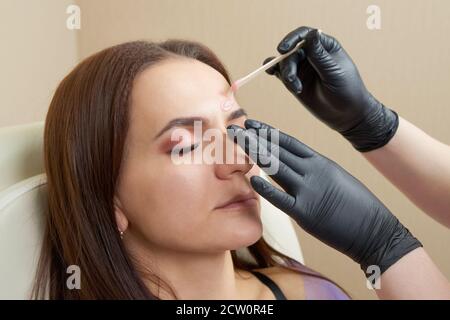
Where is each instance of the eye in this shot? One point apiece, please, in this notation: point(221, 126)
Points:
point(183, 150)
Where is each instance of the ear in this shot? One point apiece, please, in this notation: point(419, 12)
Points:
point(121, 218)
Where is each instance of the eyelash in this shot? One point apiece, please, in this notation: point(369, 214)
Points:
point(181, 151)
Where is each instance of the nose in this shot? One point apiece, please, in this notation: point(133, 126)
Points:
point(235, 161)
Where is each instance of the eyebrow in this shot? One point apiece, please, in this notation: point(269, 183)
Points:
point(189, 121)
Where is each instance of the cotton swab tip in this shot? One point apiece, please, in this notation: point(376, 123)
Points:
point(234, 86)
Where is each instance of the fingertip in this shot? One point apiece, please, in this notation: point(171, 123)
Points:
point(266, 60)
point(297, 86)
point(251, 123)
point(256, 183)
point(254, 179)
point(271, 71)
point(283, 47)
point(292, 38)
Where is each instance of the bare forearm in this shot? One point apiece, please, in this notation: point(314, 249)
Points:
point(415, 276)
point(419, 166)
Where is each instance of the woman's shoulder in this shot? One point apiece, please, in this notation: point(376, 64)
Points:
point(304, 284)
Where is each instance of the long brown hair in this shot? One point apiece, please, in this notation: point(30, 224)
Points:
point(84, 136)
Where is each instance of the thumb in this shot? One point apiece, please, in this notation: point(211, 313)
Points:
point(318, 56)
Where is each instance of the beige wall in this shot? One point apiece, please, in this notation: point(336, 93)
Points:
point(37, 51)
point(405, 64)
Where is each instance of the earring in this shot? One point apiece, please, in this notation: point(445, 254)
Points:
point(121, 234)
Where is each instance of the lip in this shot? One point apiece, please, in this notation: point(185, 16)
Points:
point(240, 201)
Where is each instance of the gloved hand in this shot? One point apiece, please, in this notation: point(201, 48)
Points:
point(324, 199)
point(323, 77)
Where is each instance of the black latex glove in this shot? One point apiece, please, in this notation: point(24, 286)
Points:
point(323, 77)
point(325, 200)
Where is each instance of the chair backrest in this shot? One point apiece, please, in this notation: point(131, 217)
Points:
point(23, 201)
point(21, 231)
point(20, 153)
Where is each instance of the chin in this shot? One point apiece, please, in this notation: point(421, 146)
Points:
point(243, 234)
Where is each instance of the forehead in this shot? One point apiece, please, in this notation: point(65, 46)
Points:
point(173, 88)
point(177, 87)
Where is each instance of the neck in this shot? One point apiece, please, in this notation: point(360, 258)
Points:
point(195, 276)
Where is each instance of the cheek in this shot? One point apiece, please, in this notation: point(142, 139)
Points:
point(183, 189)
point(161, 199)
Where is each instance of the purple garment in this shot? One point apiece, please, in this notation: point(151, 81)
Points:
point(318, 288)
point(321, 289)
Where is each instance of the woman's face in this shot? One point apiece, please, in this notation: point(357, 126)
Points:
point(163, 204)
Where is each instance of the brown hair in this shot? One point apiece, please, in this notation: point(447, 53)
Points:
point(84, 136)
